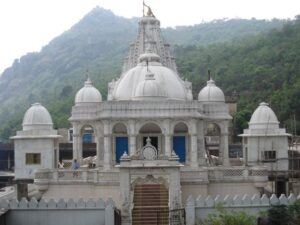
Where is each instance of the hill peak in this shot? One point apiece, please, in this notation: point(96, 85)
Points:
point(98, 10)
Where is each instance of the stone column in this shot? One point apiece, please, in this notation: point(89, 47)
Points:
point(98, 143)
point(168, 149)
point(193, 144)
point(167, 135)
point(126, 207)
point(174, 189)
point(132, 144)
point(201, 143)
point(194, 152)
point(224, 143)
point(244, 151)
point(132, 138)
point(190, 211)
point(107, 146)
point(77, 143)
point(57, 154)
point(109, 215)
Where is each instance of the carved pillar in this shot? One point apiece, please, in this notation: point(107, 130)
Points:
point(193, 144)
point(98, 143)
point(175, 189)
point(194, 152)
point(224, 143)
point(132, 144)
point(77, 143)
point(132, 138)
point(167, 135)
point(201, 143)
point(126, 206)
point(107, 146)
point(168, 149)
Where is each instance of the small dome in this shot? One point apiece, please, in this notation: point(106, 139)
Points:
point(88, 94)
point(37, 117)
point(149, 88)
point(263, 118)
point(211, 93)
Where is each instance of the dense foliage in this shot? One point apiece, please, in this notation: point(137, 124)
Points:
point(219, 31)
point(100, 41)
point(227, 217)
point(258, 68)
point(284, 214)
point(276, 215)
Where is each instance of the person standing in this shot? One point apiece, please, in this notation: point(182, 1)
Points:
point(75, 166)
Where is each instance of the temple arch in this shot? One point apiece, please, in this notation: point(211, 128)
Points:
point(154, 132)
point(89, 145)
point(181, 140)
point(120, 140)
point(212, 142)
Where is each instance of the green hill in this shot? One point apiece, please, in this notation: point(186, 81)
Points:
point(219, 31)
point(99, 42)
point(264, 67)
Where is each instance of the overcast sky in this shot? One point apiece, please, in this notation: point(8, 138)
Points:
point(27, 25)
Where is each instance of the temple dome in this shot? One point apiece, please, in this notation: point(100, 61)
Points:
point(263, 118)
point(134, 82)
point(37, 117)
point(88, 94)
point(149, 88)
point(211, 93)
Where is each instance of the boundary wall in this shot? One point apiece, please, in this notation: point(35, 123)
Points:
point(61, 212)
point(198, 208)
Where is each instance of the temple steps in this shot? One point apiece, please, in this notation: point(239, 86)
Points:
point(150, 205)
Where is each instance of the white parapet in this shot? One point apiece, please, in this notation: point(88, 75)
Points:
point(200, 207)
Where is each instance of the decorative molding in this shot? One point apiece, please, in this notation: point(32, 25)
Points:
point(240, 201)
point(202, 206)
point(56, 204)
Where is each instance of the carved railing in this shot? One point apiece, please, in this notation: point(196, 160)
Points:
point(80, 175)
point(192, 176)
point(112, 177)
point(237, 174)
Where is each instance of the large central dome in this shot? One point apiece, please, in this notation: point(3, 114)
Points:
point(166, 80)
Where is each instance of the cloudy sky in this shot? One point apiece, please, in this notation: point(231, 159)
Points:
point(28, 25)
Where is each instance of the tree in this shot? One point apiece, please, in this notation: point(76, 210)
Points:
point(226, 217)
point(284, 214)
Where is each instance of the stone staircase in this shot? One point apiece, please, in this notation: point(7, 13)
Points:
point(150, 205)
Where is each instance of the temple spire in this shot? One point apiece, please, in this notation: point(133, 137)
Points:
point(149, 38)
point(208, 73)
point(87, 74)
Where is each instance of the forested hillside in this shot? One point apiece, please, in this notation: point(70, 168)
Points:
point(100, 41)
point(97, 43)
point(259, 68)
point(218, 31)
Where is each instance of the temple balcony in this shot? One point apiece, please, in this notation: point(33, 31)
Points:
point(44, 177)
point(257, 175)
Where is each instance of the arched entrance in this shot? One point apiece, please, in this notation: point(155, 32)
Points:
point(152, 131)
point(89, 146)
point(121, 141)
point(212, 143)
point(180, 141)
point(212, 139)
